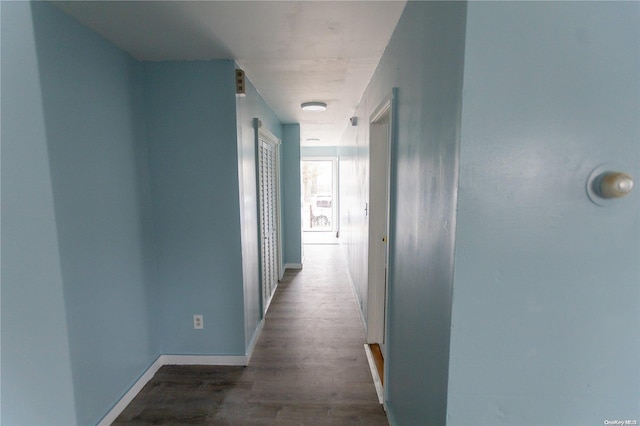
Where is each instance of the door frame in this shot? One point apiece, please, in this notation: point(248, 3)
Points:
point(381, 170)
point(262, 134)
point(335, 207)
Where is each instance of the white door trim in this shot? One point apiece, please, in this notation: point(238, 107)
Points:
point(335, 186)
point(381, 131)
point(265, 137)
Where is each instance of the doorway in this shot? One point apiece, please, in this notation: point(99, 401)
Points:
point(269, 200)
point(319, 200)
point(380, 142)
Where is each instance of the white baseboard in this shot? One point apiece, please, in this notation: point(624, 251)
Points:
point(356, 300)
point(268, 303)
point(374, 374)
point(238, 360)
point(126, 399)
point(254, 340)
point(204, 359)
point(293, 266)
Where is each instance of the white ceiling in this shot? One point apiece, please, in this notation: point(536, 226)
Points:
point(292, 51)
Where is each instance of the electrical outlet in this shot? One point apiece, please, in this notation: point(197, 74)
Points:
point(198, 322)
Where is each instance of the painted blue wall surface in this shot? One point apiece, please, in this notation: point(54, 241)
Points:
point(34, 336)
point(193, 155)
point(353, 169)
point(249, 107)
point(546, 313)
point(121, 216)
point(318, 151)
point(129, 204)
point(291, 193)
point(92, 102)
point(424, 59)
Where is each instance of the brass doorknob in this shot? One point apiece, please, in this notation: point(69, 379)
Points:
point(613, 185)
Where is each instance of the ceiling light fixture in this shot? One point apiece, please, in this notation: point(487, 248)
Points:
point(313, 106)
point(312, 140)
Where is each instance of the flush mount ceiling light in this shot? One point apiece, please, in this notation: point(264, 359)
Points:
point(312, 140)
point(313, 106)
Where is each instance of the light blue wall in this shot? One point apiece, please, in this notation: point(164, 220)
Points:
point(193, 157)
point(546, 314)
point(353, 170)
point(291, 193)
point(92, 138)
point(121, 216)
point(424, 59)
point(546, 299)
point(92, 102)
point(319, 151)
point(249, 107)
point(34, 339)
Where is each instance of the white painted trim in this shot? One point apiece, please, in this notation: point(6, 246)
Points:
point(265, 137)
point(374, 373)
point(126, 399)
point(335, 177)
point(356, 300)
point(204, 359)
point(254, 340)
point(266, 308)
point(266, 134)
point(293, 266)
point(236, 360)
point(379, 225)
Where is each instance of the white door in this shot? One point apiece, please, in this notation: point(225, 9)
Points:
point(378, 211)
point(268, 175)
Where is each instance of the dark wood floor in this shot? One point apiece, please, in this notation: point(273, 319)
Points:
point(308, 368)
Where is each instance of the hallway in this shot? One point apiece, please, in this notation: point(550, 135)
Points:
point(308, 367)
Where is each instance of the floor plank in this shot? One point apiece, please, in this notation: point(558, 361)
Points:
point(308, 367)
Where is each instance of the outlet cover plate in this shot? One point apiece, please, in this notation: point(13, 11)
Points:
point(198, 322)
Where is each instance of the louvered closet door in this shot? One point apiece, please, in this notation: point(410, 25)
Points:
point(268, 170)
